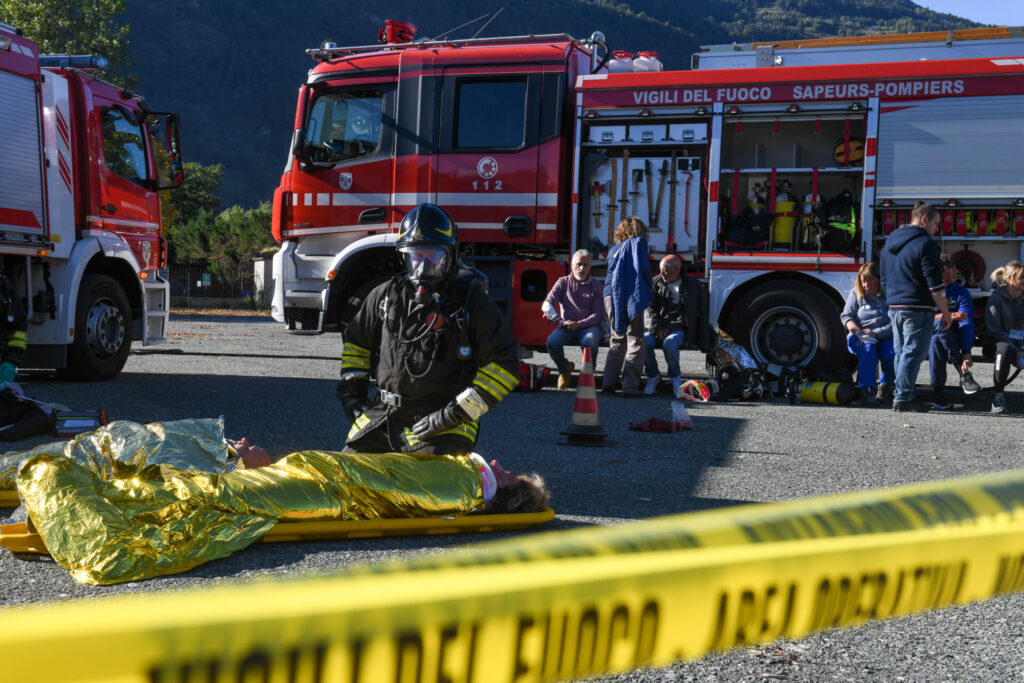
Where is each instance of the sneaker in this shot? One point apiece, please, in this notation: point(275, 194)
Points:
point(884, 393)
point(968, 384)
point(941, 402)
point(565, 377)
point(909, 407)
point(867, 398)
point(998, 403)
point(677, 382)
point(652, 385)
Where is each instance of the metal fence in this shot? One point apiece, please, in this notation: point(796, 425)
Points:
point(197, 280)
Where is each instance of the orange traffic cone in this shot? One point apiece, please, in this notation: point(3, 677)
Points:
point(586, 429)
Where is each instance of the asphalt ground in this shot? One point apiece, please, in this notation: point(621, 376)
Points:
point(277, 389)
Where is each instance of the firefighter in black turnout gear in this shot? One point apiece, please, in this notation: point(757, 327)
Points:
point(436, 343)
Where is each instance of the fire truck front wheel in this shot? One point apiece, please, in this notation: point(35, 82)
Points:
point(789, 323)
point(103, 332)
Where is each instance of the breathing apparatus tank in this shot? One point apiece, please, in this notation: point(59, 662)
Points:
point(785, 215)
point(755, 199)
point(831, 393)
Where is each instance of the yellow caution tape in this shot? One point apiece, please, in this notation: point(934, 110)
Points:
point(606, 606)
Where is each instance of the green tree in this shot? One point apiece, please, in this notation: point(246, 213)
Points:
point(74, 27)
point(237, 236)
point(197, 194)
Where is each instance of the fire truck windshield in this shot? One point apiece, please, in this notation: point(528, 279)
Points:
point(344, 125)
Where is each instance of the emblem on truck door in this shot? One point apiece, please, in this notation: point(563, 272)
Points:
point(487, 167)
point(345, 181)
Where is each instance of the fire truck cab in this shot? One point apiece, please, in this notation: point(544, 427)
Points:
point(479, 127)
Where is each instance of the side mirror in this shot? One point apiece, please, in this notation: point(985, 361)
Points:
point(167, 149)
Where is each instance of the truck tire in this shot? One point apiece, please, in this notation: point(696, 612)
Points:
point(789, 323)
point(103, 330)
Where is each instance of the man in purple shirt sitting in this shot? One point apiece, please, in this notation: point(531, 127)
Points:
point(576, 305)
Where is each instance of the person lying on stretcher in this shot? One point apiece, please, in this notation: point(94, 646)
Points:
point(503, 491)
point(132, 520)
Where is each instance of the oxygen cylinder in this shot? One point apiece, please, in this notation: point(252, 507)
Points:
point(755, 200)
point(785, 215)
point(831, 393)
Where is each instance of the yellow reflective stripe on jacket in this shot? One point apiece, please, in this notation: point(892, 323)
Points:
point(18, 340)
point(354, 357)
point(466, 430)
point(495, 380)
point(357, 426)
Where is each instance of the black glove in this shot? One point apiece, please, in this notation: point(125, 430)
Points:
point(353, 396)
point(440, 420)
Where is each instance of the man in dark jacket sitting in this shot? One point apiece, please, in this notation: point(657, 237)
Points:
point(671, 314)
point(912, 282)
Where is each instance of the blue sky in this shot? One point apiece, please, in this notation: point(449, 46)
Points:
point(999, 12)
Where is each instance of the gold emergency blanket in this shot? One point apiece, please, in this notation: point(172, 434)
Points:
point(122, 446)
point(163, 520)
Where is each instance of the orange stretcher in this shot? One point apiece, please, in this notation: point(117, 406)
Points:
point(17, 538)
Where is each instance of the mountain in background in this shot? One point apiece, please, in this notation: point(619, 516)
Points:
point(232, 69)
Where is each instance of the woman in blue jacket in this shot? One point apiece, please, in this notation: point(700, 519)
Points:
point(627, 293)
point(866, 316)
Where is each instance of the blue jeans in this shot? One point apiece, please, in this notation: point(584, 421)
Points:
point(911, 336)
point(945, 348)
point(868, 356)
point(585, 336)
point(670, 347)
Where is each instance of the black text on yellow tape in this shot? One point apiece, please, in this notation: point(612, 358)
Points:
point(560, 605)
point(560, 619)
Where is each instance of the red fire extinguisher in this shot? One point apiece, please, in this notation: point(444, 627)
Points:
point(948, 219)
point(888, 222)
point(981, 217)
point(1001, 218)
point(961, 222)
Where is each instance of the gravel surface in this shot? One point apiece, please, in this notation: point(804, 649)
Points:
point(277, 389)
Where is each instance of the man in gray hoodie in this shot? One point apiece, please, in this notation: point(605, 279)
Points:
point(912, 281)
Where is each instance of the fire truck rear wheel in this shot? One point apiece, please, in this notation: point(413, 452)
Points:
point(103, 331)
point(789, 323)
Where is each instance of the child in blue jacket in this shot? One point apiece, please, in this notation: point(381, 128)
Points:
point(954, 344)
point(866, 317)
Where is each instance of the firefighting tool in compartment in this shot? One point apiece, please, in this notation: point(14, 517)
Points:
point(662, 177)
point(585, 429)
point(596, 190)
point(652, 210)
point(612, 206)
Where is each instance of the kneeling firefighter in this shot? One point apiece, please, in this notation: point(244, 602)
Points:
point(436, 343)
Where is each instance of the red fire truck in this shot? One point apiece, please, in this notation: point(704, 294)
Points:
point(537, 149)
point(81, 162)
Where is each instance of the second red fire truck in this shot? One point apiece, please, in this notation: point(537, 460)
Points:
point(81, 165)
point(774, 170)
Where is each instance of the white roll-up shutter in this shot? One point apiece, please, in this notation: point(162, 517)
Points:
point(952, 148)
point(21, 182)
